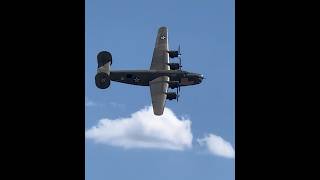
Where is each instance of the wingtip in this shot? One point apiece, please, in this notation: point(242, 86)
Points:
point(163, 28)
point(157, 113)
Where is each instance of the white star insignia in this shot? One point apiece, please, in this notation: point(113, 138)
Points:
point(136, 79)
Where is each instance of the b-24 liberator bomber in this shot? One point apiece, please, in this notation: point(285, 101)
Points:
point(161, 75)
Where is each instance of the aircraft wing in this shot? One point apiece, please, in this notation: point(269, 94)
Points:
point(160, 56)
point(158, 89)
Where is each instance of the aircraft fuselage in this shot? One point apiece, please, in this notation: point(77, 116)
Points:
point(143, 77)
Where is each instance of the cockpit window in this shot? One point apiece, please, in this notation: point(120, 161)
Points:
point(191, 74)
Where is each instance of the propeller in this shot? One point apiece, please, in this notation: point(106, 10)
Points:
point(179, 56)
point(178, 86)
point(178, 90)
point(177, 97)
point(180, 66)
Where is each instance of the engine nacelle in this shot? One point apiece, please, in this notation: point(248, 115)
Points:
point(174, 84)
point(102, 77)
point(173, 54)
point(174, 66)
point(171, 95)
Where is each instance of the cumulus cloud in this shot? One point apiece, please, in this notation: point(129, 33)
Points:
point(89, 103)
point(144, 130)
point(217, 146)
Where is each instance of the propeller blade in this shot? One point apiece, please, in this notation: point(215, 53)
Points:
point(178, 90)
point(180, 65)
point(179, 50)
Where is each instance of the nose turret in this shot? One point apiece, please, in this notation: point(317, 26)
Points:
point(194, 77)
point(200, 77)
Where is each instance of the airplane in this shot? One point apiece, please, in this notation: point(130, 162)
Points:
point(161, 75)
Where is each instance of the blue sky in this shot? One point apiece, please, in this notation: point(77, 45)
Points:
point(205, 31)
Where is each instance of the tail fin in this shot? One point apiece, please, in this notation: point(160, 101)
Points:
point(102, 77)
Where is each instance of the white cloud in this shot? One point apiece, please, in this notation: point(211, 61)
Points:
point(144, 130)
point(89, 103)
point(217, 146)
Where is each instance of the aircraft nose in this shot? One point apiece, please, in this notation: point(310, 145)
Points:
point(201, 77)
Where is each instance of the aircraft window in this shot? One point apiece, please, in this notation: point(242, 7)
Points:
point(129, 75)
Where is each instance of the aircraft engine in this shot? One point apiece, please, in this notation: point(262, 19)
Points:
point(174, 66)
point(102, 77)
point(173, 84)
point(172, 95)
point(173, 54)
